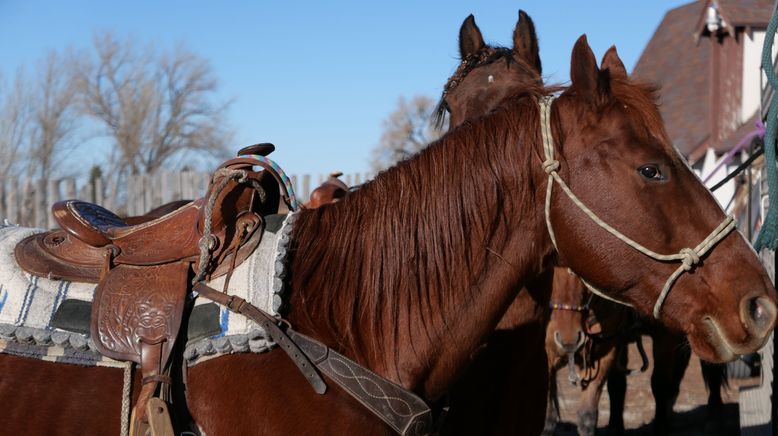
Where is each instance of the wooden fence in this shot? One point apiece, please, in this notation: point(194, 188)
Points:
point(27, 202)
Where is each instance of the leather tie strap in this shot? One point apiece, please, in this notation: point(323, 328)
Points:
point(270, 325)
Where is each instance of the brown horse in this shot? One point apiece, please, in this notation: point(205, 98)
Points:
point(503, 389)
point(485, 76)
point(422, 275)
point(589, 333)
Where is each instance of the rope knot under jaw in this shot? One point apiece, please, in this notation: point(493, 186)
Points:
point(690, 259)
point(550, 165)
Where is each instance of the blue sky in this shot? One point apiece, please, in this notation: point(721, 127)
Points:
point(317, 78)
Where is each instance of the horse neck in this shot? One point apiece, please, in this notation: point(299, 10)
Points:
point(409, 274)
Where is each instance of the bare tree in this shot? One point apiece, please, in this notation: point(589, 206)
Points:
point(53, 115)
point(14, 119)
point(406, 131)
point(155, 106)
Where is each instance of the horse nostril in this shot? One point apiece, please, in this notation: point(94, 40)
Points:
point(758, 315)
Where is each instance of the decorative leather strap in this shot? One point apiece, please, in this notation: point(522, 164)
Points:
point(402, 410)
point(399, 408)
point(270, 324)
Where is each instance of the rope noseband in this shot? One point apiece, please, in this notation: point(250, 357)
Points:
point(689, 257)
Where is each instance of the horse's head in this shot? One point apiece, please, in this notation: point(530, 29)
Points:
point(610, 147)
point(569, 306)
point(488, 74)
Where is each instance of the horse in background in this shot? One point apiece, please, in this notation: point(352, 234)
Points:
point(513, 359)
point(589, 336)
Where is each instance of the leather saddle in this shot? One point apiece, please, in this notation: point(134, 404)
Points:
point(332, 190)
point(144, 271)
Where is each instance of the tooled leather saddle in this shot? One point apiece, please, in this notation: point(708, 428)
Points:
point(144, 271)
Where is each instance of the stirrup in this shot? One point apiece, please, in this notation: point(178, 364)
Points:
point(158, 420)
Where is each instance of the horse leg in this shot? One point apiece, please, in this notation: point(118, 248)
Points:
point(590, 397)
point(715, 376)
point(671, 357)
point(617, 389)
point(552, 401)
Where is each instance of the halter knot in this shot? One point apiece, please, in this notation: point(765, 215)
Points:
point(690, 258)
point(550, 165)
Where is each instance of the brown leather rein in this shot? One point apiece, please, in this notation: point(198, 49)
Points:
point(400, 409)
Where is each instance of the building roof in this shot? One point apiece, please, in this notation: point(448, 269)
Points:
point(679, 63)
point(737, 13)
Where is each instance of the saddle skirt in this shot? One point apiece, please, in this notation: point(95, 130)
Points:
point(49, 319)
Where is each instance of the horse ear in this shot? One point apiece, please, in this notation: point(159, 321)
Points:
point(612, 63)
point(470, 38)
point(525, 41)
point(584, 72)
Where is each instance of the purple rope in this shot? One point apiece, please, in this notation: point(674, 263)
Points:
point(759, 132)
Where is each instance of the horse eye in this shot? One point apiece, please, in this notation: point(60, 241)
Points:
point(650, 172)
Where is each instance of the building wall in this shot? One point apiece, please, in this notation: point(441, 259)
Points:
point(752, 59)
point(727, 83)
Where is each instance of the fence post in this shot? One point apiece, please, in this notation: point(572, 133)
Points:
point(12, 201)
point(306, 192)
point(27, 212)
point(70, 188)
point(99, 195)
point(86, 192)
point(52, 196)
point(110, 200)
point(186, 185)
point(3, 201)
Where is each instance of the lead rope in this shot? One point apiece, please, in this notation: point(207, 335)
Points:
point(126, 392)
point(688, 257)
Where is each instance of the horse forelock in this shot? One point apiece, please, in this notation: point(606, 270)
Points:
point(641, 100)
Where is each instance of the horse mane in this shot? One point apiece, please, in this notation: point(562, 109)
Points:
point(385, 253)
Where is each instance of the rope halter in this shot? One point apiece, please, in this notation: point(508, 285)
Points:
point(689, 257)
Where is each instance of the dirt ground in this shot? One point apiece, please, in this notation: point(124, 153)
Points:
point(690, 412)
